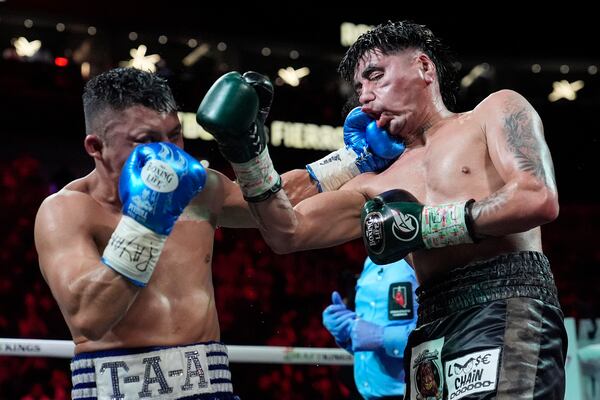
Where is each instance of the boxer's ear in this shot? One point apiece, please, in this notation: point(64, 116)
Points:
point(427, 68)
point(93, 145)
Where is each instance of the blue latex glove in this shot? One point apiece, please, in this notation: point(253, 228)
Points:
point(366, 336)
point(337, 319)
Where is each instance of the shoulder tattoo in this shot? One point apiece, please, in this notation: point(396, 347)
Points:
point(523, 135)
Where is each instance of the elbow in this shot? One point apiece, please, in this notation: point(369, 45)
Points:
point(91, 328)
point(285, 239)
point(545, 206)
point(280, 250)
point(549, 208)
point(536, 201)
point(282, 245)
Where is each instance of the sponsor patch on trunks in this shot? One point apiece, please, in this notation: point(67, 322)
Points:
point(426, 375)
point(473, 373)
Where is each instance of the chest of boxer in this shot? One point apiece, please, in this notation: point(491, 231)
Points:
point(178, 304)
point(452, 165)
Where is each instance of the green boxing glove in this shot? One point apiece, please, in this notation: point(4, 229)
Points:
point(395, 224)
point(234, 111)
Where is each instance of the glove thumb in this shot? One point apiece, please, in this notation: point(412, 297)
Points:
point(382, 143)
point(336, 298)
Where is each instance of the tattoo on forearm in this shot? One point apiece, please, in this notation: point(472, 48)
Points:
point(490, 205)
point(531, 154)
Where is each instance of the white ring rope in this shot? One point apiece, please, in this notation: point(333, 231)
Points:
point(240, 354)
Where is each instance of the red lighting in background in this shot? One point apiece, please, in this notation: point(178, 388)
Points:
point(61, 61)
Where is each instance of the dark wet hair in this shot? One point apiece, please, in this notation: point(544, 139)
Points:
point(121, 88)
point(393, 37)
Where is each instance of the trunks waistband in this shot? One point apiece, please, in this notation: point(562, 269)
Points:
point(192, 371)
point(522, 274)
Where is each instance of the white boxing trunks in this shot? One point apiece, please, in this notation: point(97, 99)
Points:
point(196, 371)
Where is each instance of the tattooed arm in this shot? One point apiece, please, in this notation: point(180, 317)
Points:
point(518, 150)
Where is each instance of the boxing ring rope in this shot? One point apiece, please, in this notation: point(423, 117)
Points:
point(239, 354)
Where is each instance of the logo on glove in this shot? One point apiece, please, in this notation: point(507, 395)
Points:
point(373, 232)
point(159, 176)
point(405, 226)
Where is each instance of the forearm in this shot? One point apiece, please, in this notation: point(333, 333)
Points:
point(298, 185)
point(518, 206)
point(100, 299)
point(277, 221)
point(321, 221)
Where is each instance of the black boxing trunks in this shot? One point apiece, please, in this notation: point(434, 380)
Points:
point(197, 371)
point(489, 330)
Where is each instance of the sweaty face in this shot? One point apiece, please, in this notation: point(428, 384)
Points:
point(136, 125)
point(390, 87)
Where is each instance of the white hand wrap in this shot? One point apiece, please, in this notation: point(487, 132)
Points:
point(335, 169)
point(445, 225)
point(257, 176)
point(133, 251)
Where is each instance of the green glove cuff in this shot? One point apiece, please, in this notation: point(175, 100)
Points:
point(446, 224)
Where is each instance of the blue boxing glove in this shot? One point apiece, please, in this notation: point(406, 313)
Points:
point(337, 319)
point(157, 182)
point(376, 148)
point(368, 149)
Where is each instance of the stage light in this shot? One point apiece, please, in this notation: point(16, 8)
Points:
point(61, 61)
point(480, 70)
point(565, 90)
point(292, 76)
point(195, 55)
point(25, 48)
point(140, 60)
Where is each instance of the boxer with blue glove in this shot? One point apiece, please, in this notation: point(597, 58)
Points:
point(127, 249)
point(368, 149)
point(157, 182)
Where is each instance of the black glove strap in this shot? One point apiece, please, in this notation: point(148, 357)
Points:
point(264, 196)
point(469, 220)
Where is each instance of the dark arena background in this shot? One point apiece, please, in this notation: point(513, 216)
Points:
point(264, 299)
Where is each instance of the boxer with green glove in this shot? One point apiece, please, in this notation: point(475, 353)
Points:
point(234, 111)
point(395, 224)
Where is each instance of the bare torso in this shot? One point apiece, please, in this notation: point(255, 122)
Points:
point(177, 307)
point(452, 165)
